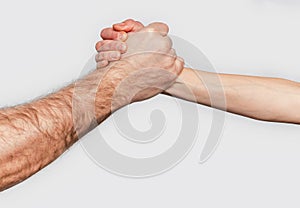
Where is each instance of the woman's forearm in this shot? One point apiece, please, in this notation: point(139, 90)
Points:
point(270, 99)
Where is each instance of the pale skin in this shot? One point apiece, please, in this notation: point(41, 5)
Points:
point(32, 135)
point(262, 98)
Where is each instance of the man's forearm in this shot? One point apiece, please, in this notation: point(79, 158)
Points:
point(262, 98)
point(34, 134)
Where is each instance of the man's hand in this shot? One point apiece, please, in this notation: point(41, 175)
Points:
point(113, 45)
point(149, 64)
point(34, 134)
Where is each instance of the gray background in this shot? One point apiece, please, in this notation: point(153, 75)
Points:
point(45, 44)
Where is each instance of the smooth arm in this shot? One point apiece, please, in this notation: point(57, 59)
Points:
point(263, 98)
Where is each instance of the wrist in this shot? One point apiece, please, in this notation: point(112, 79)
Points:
point(189, 86)
point(110, 96)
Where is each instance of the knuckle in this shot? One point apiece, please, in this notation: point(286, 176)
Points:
point(102, 64)
point(169, 42)
point(129, 21)
point(114, 55)
point(179, 65)
point(122, 47)
point(166, 43)
point(160, 27)
point(98, 57)
point(165, 28)
point(139, 23)
point(172, 53)
point(181, 60)
point(170, 61)
point(111, 45)
point(102, 56)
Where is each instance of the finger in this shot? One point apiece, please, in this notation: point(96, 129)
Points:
point(101, 43)
point(129, 25)
point(162, 28)
point(110, 34)
point(179, 65)
point(169, 59)
point(172, 53)
point(168, 42)
point(111, 45)
point(108, 55)
point(102, 64)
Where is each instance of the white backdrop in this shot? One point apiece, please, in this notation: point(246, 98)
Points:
point(45, 44)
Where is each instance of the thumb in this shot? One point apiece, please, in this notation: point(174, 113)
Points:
point(162, 28)
point(129, 25)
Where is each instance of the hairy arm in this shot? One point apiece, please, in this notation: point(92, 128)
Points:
point(34, 134)
point(263, 98)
